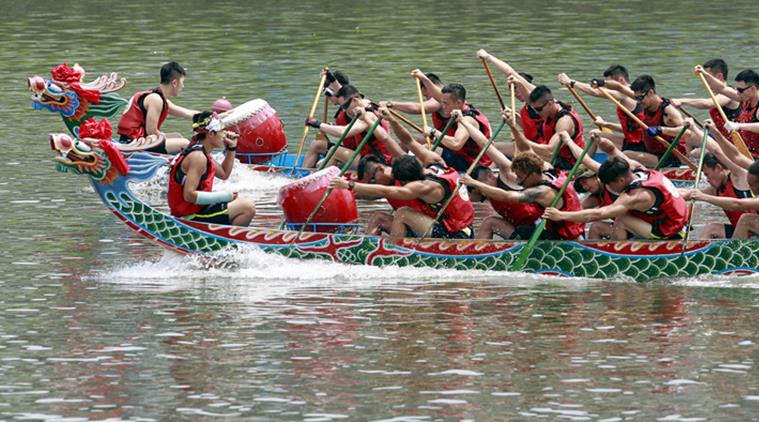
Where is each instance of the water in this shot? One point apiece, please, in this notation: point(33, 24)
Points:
point(96, 323)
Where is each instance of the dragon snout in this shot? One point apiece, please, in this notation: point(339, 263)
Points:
point(36, 84)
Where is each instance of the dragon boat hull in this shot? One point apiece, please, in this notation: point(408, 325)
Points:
point(638, 260)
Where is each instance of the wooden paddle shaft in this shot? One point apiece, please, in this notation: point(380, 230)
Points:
point(512, 93)
point(421, 107)
point(405, 120)
point(735, 136)
point(492, 82)
point(680, 156)
point(310, 115)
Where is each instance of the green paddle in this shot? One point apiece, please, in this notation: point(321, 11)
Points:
point(695, 185)
point(522, 259)
point(451, 120)
point(338, 143)
point(456, 191)
point(345, 168)
point(671, 146)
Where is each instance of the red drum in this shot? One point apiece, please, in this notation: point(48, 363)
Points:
point(260, 131)
point(299, 198)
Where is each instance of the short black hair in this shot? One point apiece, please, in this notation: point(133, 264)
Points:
point(171, 71)
point(643, 83)
point(341, 77)
point(456, 90)
point(749, 77)
point(407, 168)
point(199, 117)
point(612, 169)
point(527, 77)
point(364, 162)
point(716, 64)
point(347, 91)
point(435, 79)
point(711, 161)
point(615, 71)
point(539, 92)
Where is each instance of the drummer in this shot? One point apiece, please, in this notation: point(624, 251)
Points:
point(148, 109)
point(191, 194)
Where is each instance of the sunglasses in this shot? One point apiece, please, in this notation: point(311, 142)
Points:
point(641, 96)
point(740, 90)
point(539, 109)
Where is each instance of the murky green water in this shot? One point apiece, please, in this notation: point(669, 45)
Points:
point(95, 323)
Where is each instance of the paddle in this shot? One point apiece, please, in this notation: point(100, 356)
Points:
point(522, 259)
point(495, 87)
point(587, 109)
point(405, 120)
point(734, 135)
point(512, 89)
point(424, 113)
point(458, 187)
point(555, 154)
point(345, 168)
point(695, 185)
point(339, 142)
point(451, 121)
point(680, 156)
point(671, 146)
point(310, 116)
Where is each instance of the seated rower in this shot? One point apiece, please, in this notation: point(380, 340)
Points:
point(648, 205)
point(627, 135)
point(191, 194)
point(748, 223)
point(350, 99)
point(541, 188)
point(459, 148)
point(373, 171)
point(557, 117)
point(147, 111)
point(660, 115)
point(718, 69)
point(429, 189)
point(510, 214)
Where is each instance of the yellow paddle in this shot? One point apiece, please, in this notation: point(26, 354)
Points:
point(310, 116)
point(734, 136)
point(424, 114)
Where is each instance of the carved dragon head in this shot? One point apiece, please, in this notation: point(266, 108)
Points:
point(98, 159)
point(76, 101)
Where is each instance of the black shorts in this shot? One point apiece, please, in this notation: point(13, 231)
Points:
point(633, 146)
point(453, 160)
point(657, 234)
point(440, 232)
point(729, 230)
point(158, 149)
point(525, 232)
point(214, 213)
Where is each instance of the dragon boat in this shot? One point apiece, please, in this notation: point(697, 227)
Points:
point(263, 145)
point(111, 174)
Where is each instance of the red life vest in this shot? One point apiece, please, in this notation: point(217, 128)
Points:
point(729, 191)
point(470, 150)
point(568, 230)
point(460, 213)
point(372, 147)
point(632, 130)
point(657, 119)
point(719, 122)
point(669, 212)
point(532, 124)
point(412, 203)
point(604, 197)
point(132, 123)
point(549, 128)
point(516, 213)
point(748, 115)
point(178, 205)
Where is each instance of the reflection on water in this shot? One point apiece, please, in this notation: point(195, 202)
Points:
point(96, 323)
